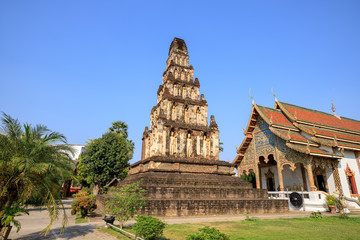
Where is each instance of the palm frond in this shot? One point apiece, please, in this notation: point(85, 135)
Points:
point(11, 126)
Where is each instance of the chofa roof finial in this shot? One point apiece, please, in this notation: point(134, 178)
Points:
point(273, 94)
point(334, 109)
point(253, 102)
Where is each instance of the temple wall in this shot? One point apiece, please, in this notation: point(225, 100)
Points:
point(290, 177)
point(349, 159)
point(330, 180)
point(248, 161)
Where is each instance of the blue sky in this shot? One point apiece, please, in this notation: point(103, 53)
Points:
point(77, 66)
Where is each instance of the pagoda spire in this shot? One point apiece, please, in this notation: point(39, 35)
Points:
point(179, 122)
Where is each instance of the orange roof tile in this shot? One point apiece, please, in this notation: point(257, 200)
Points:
point(276, 116)
point(314, 116)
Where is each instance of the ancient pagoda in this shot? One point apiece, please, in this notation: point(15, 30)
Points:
point(179, 167)
point(180, 138)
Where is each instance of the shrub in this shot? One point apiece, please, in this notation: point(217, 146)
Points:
point(83, 205)
point(247, 218)
point(316, 215)
point(149, 227)
point(80, 194)
point(330, 200)
point(84, 192)
point(343, 216)
point(207, 233)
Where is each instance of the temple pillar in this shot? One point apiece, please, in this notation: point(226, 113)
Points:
point(310, 174)
point(257, 175)
point(261, 185)
point(280, 176)
point(336, 175)
point(304, 177)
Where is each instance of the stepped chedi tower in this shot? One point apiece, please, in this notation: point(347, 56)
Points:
point(180, 138)
point(180, 167)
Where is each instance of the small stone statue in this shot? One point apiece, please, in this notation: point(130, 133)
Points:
point(295, 188)
point(173, 143)
point(204, 147)
point(188, 145)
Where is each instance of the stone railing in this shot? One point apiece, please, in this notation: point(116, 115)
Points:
point(312, 201)
point(310, 196)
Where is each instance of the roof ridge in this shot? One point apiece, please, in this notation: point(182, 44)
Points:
point(317, 111)
point(277, 110)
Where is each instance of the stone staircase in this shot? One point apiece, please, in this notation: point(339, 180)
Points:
point(179, 194)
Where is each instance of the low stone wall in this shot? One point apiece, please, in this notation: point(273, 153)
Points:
point(181, 194)
point(177, 208)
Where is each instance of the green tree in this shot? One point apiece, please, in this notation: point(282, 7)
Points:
point(82, 172)
point(30, 167)
point(125, 202)
point(107, 157)
point(251, 178)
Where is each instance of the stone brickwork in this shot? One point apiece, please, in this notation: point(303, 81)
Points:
point(179, 122)
point(180, 168)
point(178, 194)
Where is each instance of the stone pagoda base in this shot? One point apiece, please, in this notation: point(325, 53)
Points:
point(182, 165)
point(181, 188)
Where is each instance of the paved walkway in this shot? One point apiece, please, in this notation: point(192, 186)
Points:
point(31, 226)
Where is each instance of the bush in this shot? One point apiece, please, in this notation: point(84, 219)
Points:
point(330, 200)
point(207, 233)
point(83, 205)
point(83, 193)
point(343, 216)
point(316, 215)
point(149, 227)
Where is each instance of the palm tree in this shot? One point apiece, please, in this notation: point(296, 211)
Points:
point(30, 167)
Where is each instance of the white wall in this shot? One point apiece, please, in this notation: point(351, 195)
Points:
point(290, 177)
point(349, 158)
point(78, 149)
point(330, 180)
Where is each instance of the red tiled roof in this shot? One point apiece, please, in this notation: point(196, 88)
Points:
point(314, 116)
point(349, 145)
point(304, 149)
point(338, 135)
point(276, 116)
point(293, 135)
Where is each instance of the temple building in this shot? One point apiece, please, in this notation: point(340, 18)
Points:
point(180, 167)
point(292, 148)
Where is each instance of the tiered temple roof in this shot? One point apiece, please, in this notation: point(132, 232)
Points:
point(305, 130)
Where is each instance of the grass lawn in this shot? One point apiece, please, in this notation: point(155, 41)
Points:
point(79, 219)
point(117, 234)
point(298, 228)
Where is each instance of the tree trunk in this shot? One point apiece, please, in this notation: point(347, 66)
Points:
point(96, 190)
point(66, 189)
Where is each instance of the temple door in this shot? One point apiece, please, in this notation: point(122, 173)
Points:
point(270, 181)
point(320, 179)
